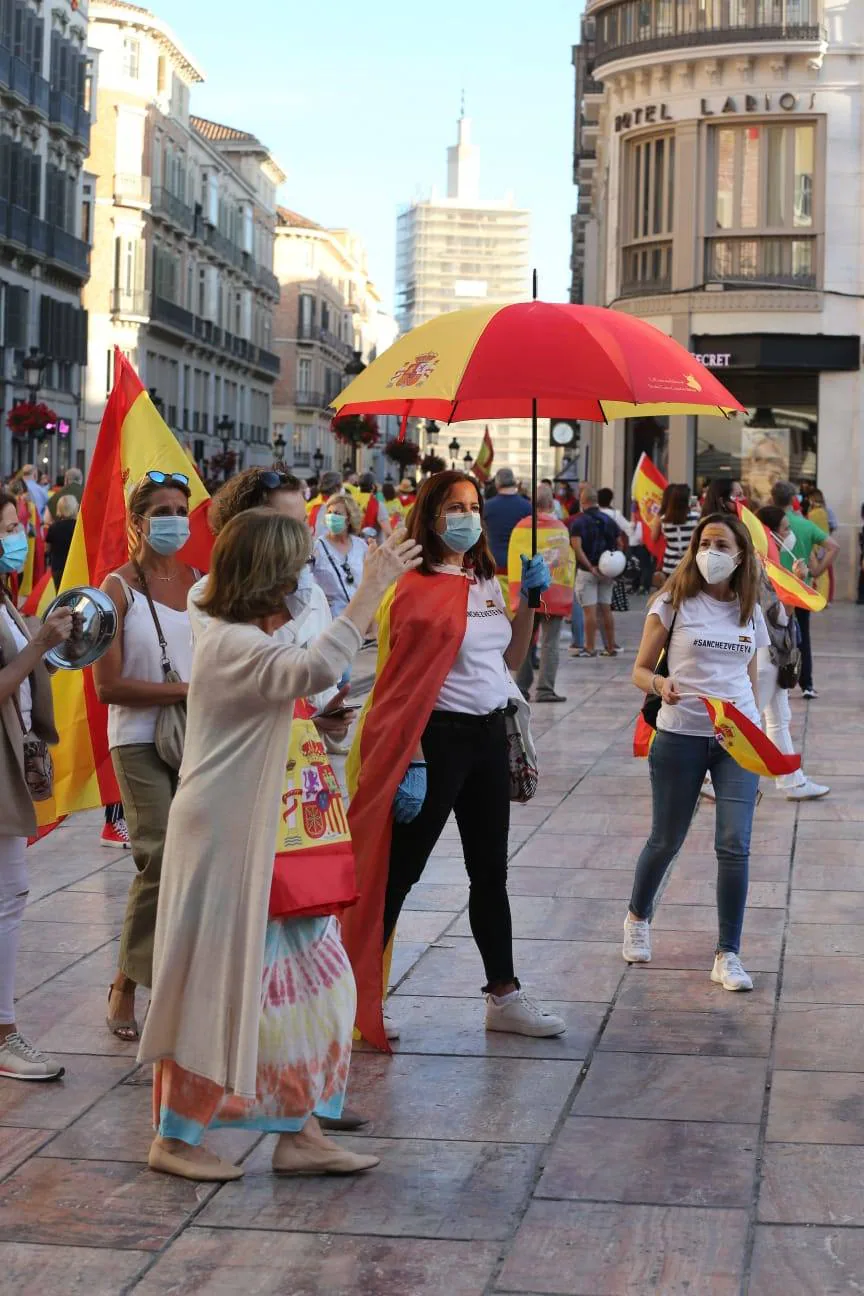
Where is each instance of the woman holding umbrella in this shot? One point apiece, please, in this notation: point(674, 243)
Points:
point(433, 741)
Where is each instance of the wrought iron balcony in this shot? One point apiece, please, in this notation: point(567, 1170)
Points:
point(171, 208)
point(783, 261)
point(68, 251)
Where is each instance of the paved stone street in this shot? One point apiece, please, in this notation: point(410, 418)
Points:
point(678, 1139)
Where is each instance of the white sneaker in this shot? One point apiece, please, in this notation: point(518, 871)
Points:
point(21, 1060)
point(707, 789)
point(807, 791)
point(728, 971)
point(637, 940)
point(391, 1030)
point(522, 1016)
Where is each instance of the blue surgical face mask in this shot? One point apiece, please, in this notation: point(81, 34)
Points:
point(335, 522)
point(168, 534)
point(462, 531)
point(298, 601)
point(13, 552)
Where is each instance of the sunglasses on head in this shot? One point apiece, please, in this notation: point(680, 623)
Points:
point(272, 480)
point(162, 478)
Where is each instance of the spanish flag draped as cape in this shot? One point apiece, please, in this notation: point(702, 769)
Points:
point(421, 625)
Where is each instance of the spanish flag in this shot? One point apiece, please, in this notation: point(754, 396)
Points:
point(421, 624)
point(643, 738)
point(482, 468)
point(746, 743)
point(41, 596)
point(553, 542)
point(793, 591)
point(132, 440)
point(763, 541)
point(647, 490)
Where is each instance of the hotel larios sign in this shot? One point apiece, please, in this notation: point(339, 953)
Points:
point(787, 102)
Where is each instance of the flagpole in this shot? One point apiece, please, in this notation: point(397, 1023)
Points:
point(534, 595)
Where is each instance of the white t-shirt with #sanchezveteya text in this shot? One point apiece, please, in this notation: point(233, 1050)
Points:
point(479, 680)
point(709, 654)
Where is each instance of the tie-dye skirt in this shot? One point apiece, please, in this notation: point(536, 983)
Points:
point(308, 1000)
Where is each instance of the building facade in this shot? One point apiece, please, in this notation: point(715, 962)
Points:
point(459, 251)
point(329, 318)
point(46, 209)
point(720, 147)
point(182, 275)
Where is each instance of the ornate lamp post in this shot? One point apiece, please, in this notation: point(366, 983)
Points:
point(354, 367)
point(278, 448)
point(318, 461)
point(454, 448)
point(468, 460)
point(225, 432)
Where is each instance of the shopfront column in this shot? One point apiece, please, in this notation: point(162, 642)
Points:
point(682, 428)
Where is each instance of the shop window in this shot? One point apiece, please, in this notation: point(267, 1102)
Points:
point(777, 441)
point(764, 226)
point(648, 201)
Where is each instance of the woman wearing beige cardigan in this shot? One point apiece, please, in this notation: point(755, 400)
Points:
point(207, 1028)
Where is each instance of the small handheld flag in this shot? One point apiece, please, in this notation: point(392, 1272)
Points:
point(745, 742)
point(647, 491)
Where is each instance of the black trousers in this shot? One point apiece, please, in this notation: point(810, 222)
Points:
point(467, 773)
point(802, 616)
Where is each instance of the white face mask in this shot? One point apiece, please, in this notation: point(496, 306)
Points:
point(788, 542)
point(715, 566)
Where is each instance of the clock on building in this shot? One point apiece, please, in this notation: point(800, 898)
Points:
point(563, 433)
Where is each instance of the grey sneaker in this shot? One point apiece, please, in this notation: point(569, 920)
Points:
point(522, 1015)
point(637, 940)
point(21, 1060)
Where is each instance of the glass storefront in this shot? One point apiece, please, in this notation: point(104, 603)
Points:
point(776, 440)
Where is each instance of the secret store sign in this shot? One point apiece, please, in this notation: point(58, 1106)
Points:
point(732, 105)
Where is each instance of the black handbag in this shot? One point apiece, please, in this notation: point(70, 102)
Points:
point(653, 701)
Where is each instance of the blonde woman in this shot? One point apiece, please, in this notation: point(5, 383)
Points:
point(239, 1037)
point(130, 679)
point(58, 537)
point(339, 554)
point(707, 618)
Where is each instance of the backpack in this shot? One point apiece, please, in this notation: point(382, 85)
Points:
point(602, 535)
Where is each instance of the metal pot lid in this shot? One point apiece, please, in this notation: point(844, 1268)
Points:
point(96, 626)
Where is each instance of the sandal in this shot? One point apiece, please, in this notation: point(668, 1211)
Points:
point(127, 1031)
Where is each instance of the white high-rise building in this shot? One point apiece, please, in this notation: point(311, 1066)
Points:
point(459, 251)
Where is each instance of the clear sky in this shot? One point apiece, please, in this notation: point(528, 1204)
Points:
point(358, 102)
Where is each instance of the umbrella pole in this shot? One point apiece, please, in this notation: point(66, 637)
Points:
point(534, 594)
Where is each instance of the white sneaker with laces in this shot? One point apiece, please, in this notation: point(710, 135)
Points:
point(728, 971)
point(637, 940)
point(391, 1030)
point(521, 1015)
point(807, 791)
point(21, 1060)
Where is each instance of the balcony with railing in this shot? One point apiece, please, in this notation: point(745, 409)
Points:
point(175, 317)
point(266, 279)
point(130, 302)
point(68, 251)
point(21, 227)
point(169, 207)
point(631, 28)
point(310, 400)
point(17, 78)
point(782, 261)
point(646, 268)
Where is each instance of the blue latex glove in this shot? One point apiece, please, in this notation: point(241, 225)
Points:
point(411, 793)
point(535, 574)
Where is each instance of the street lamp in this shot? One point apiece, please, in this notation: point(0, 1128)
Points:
point(34, 365)
point(318, 461)
point(454, 448)
point(278, 448)
point(225, 431)
point(353, 369)
point(431, 433)
point(468, 460)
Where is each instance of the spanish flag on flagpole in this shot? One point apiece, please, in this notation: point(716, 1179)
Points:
point(132, 440)
point(41, 596)
point(647, 491)
point(482, 468)
point(746, 743)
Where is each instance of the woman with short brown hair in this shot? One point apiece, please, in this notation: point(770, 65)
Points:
point(240, 1040)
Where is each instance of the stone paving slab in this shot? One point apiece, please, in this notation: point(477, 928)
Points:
point(677, 1141)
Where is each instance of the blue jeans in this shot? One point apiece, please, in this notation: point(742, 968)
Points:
point(577, 625)
point(678, 764)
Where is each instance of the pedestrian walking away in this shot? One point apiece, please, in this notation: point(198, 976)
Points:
point(549, 626)
point(708, 620)
point(593, 534)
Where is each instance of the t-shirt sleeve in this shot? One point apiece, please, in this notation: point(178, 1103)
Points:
point(817, 535)
point(576, 527)
point(662, 608)
point(763, 639)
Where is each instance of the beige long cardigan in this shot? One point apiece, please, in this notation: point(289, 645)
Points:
point(218, 862)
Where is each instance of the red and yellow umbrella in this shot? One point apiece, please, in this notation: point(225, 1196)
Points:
point(535, 359)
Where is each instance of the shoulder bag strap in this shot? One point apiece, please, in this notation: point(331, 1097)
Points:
point(335, 567)
point(166, 660)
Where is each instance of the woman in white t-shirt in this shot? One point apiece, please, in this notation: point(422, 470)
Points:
point(448, 648)
point(708, 618)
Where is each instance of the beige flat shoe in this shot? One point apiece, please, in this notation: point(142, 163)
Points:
point(159, 1158)
point(311, 1160)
